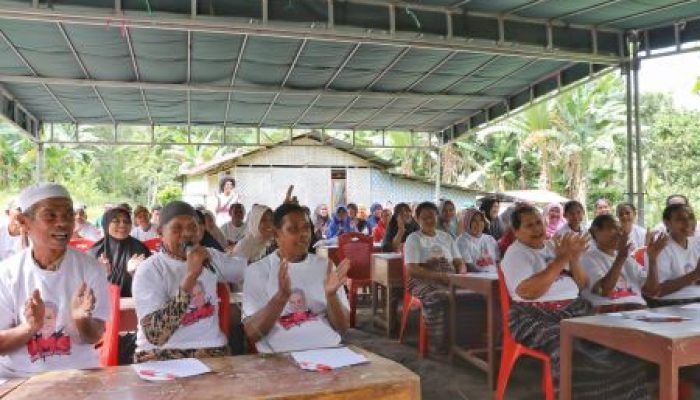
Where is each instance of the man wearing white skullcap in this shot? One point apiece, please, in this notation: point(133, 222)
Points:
point(53, 300)
point(10, 232)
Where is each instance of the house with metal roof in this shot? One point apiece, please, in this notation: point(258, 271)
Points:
point(323, 170)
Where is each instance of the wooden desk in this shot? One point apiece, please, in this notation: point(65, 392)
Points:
point(9, 386)
point(671, 345)
point(485, 284)
point(386, 271)
point(240, 377)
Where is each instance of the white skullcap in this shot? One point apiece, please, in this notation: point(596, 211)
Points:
point(40, 191)
point(80, 206)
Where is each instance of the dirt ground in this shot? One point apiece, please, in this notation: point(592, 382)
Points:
point(441, 380)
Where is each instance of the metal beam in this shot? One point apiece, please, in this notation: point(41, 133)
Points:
point(13, 119)
point(585, 10)
point(470, 74)
point(404, 115)
point(442, 114)
point(33, 71)
point(189, 67)
point(284, 81)
point(431, 70)
point(644, 13)
point(306, 110)
point(85, 71)
point(522, 7)
point(233, 77)
point(300, 31)
point(375, 113)
point(135, 66)
point(341, 113)
point(388, 68)
point(342, 66)
point(235, 89)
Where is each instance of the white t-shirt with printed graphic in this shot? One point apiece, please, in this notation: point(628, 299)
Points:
point(674, 261)
point(420, 247)
point(58, 345)
point(521, 262)
point(143, 235)
point(628, 288)
point(233, 233)
point(303, 324)
point(158, 280)
point(481, 251)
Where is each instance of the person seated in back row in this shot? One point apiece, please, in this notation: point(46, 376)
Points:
point(53, 299)
point(574, 213)
point(294, 300)
point(175, 291)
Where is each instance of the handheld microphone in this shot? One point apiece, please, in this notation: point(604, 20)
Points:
point(187, 247)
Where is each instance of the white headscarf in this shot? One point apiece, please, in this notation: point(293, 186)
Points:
point(253, 245)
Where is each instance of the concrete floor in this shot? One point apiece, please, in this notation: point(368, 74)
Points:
point(439, 379)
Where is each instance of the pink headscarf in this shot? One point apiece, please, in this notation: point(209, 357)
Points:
point(469, 214)
point(554, 225)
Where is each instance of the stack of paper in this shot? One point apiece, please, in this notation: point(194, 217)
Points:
point(649, 316)
point(327, 359)
point(692, 306)
point(170, 369)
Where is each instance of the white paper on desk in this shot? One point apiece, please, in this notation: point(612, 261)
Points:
point(650, 316)
point(692, 306)
point(170, 369)
point(322, 359)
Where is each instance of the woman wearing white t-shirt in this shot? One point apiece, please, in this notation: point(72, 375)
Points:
point(479, 250)
point(544, 279)
point(616, 280)
point(627, 214)
point(431, 255)
point(679, 261)
point(574, 213)
point(175, 291)
point(294, 300)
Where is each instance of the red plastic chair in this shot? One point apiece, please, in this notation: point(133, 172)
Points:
point(82, 245)
point(639, 255)
point(358, 248)
point(224, 308)
point(109, 352)
point(512, 350)
point(410, 302)
point(153, 244)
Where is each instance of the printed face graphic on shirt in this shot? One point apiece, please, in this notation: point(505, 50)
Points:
point(437, 252)
point(200, 308)
point(485, 259)
point(299, 311)
point(49, 341)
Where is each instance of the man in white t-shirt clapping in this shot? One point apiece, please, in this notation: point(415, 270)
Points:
point(293, 300)
point(53, 300)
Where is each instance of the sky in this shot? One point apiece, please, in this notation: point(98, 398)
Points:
point(675, 74)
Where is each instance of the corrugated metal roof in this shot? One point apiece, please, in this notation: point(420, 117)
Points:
point(346, 64)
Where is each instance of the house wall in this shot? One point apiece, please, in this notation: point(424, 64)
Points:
point(387, 187)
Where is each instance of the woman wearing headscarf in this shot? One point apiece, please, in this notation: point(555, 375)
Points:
point(553, 218)
point(321, 222)
point(257, 240)
point(400, 226)
point(375, 216)
point(479, 250)
point(118, 251)
point(490, 207)
point(340, 223)
point(448, 221)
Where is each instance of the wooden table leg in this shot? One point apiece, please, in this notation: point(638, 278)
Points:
point(566, 342)
point(375, 293)
point(452, 321)
point(389, 310)
point(668, 382)
point(491, 339)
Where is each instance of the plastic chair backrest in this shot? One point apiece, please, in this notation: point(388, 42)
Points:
point(640, 254)
point(224, 308)
point(358, 248)
point(82, 245)
point(504, 296)
point(109, 352)
point(152, 244)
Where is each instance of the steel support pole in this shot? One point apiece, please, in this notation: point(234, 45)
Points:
point(630, 157)
point(39, 166)
point(438, 175)
point(638, 131)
